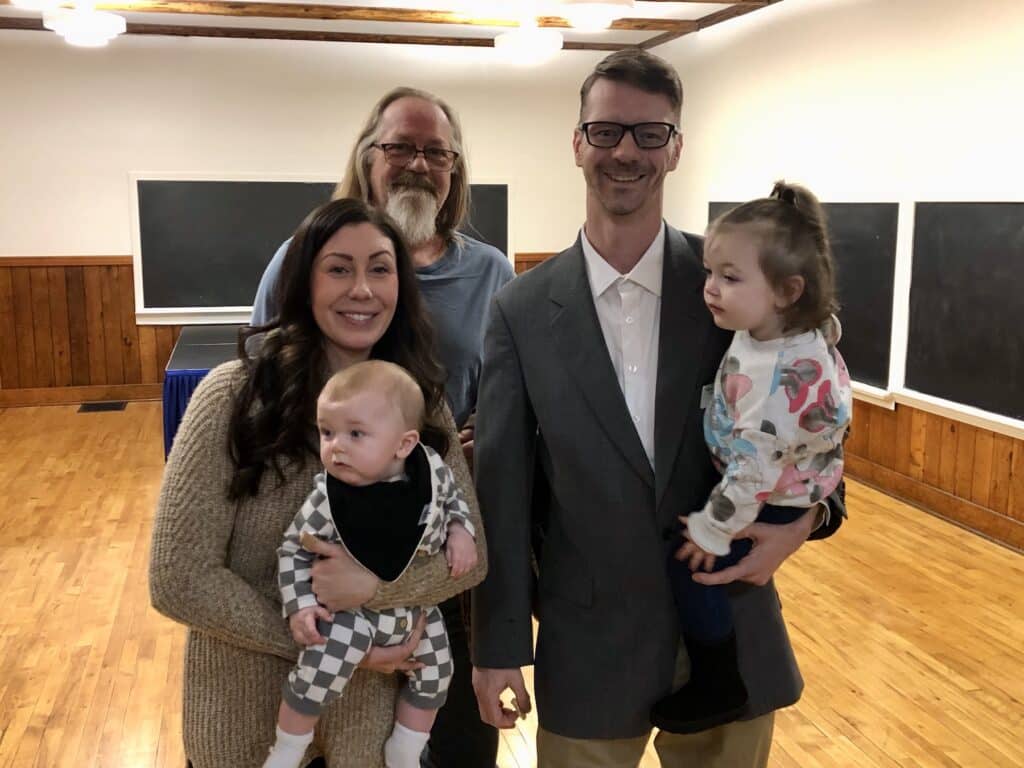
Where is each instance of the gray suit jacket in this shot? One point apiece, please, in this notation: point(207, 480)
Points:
point(553, 433)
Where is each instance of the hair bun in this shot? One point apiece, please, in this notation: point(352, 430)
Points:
point(784, 192)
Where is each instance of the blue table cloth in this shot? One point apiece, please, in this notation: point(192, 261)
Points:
point(199, 349)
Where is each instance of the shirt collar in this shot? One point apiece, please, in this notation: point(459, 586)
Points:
point(647, 273)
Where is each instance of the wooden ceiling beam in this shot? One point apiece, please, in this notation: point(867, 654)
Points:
point(733, 11)
point(322, 12)
point(712, 2)
point(182, 30)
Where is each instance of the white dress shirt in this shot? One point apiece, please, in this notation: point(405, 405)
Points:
point(629, 311)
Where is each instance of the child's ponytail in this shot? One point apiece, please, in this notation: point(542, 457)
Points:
point(793, 229)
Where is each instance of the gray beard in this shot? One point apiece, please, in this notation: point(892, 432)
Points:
point(415, 212)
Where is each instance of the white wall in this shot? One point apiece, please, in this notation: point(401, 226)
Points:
point(77, 122)
point(862, 100)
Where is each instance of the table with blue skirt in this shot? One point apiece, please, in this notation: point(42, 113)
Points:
point(199, 349)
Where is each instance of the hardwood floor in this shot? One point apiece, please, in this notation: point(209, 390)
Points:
point(909, 631)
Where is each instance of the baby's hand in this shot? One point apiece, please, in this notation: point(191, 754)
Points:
point(303, 625)
point(459, 550)
point(699, 559)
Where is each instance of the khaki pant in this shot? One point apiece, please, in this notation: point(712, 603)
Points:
point(741, 744)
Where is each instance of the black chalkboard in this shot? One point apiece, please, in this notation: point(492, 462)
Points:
point(967, 305)
point(863, 237)
point(205, 244)
point(488, 215)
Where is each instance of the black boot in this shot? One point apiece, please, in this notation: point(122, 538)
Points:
point(715, 693)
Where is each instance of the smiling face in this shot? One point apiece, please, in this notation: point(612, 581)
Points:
point(414, 194)
point(625, 180)
point(354, 292)
point(736, 290)
point(363, 437)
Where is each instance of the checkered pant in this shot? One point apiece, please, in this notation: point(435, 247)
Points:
point(323, 670)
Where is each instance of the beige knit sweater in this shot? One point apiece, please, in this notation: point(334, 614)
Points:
point(213, 568)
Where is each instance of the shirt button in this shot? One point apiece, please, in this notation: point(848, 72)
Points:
point(632, 369)
point(629, 320)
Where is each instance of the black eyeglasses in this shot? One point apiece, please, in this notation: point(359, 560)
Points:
point(401, 154)
point(646, 135)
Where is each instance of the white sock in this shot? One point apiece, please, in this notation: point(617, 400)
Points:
point(288, 750)
point(403, 747)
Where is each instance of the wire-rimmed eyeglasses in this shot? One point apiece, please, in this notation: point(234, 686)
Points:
point(402, 154)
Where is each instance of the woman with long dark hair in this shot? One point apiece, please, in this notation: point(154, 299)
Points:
point(243, 462)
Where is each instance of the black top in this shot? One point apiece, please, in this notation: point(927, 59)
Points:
point(380, 523)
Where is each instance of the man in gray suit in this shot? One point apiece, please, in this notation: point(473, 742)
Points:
point(589, 437)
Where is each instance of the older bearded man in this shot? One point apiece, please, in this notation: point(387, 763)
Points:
point(409, 160)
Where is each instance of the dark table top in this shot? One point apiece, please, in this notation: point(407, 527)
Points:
point(208, 334)
point(202, 347)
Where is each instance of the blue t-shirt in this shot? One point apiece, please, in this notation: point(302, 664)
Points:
point(457, 290)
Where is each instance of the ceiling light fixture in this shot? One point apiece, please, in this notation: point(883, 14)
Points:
point(528, 44)
point(84, 26)
point(590, 16)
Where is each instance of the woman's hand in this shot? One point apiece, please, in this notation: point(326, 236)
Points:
point(397, 658)
point(339, 582)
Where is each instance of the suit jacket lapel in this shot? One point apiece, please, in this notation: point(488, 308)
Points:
point(584, 355)
point(682, 337)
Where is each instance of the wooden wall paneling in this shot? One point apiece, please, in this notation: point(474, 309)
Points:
point(947, 462)
point(1005, 529)
point(111, 326)
point(1015, 504)
point(92, 278)
point(129, 329)
point(8, 333)
point(41, 336)
point(917, 448)
point(78, 325)
point(22, 289)
point(981, 483)
point(882, 437)
point(165, 338)
point(526, 261)
point(934, 432)
point(148, 354)
point(1002, 464)
point(889, 450)
point(59, 326)
point(860, 426)
point(964, 461)
point(75, 395)
point(901, 450)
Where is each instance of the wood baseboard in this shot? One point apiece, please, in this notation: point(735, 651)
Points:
point(13, 398)
point(987, 522)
